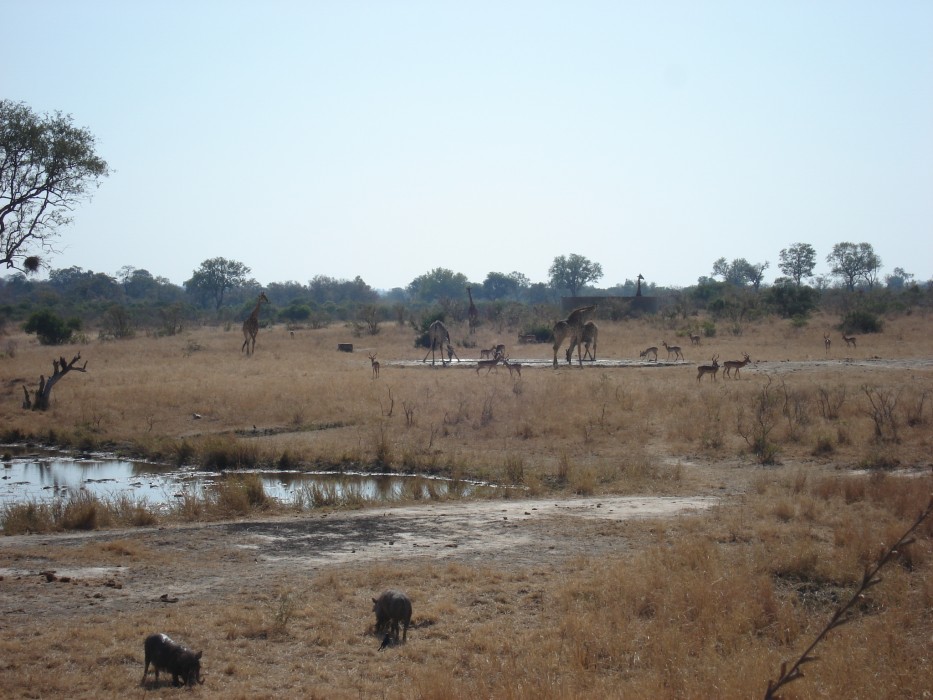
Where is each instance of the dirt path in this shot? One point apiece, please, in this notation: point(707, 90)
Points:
point(121, 569)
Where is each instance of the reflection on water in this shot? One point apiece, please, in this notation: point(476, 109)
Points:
point(40, 478)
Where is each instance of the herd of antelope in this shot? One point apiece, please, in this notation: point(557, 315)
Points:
point(490, 358)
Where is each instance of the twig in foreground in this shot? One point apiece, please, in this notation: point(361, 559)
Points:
point(843, 614)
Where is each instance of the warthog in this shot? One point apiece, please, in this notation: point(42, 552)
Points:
point(392, 608)
point(166, 655)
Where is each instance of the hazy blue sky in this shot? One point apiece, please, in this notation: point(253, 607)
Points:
point(384, 139)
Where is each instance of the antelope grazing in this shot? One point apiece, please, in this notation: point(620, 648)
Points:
point(736, 365)
point(512, 366)
point(694, 339)
point(827, 342)
point(488, 364)
point(372, 359)
point(712, 369)
point(673, 349)
point(495, 351)
point(850, 340)
point(649, 351)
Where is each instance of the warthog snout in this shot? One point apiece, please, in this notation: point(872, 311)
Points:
point(166, 655)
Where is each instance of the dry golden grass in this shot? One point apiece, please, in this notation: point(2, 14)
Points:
point(703, 606)
point(300, 401)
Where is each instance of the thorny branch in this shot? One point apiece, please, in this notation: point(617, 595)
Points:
point(843, 614)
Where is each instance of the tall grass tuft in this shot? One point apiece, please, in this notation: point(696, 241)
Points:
point(26, 518)
point(223, 454)
point(240, 494)
point(77, 510)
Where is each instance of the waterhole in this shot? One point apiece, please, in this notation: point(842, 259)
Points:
point(38, 477)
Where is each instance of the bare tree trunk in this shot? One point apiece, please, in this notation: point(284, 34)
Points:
point(39, 400)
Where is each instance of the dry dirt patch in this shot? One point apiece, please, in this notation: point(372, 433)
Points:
point(194, 562)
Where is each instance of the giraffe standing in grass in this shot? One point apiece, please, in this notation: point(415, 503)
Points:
point(251, 326)
point(472, 313)
point(440, 338)
point(572, 328)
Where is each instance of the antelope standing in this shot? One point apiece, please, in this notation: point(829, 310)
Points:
point(712, 369)
point(673, 349)
point(850, 340)
point(827, 342)
point(251, 326)
point(649, 351)
point(736, 365)
point(439, 337)
point(694, 339)
point(488, 364)
point(372, 359)
point(512, 366)
point(498, 349)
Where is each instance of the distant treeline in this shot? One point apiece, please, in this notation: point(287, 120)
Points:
point(137, 301)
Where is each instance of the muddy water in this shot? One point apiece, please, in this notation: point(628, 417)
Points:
point(45, 477)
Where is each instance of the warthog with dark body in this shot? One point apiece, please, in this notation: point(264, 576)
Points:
point(166, 655)
point(392, 608)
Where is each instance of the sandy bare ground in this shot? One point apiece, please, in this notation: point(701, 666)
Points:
point(62, 575)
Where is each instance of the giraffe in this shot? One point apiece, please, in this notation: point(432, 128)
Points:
point(572, 327)
point(251, 326)
point(472, 313)
point(590, 335)
point(439, 337)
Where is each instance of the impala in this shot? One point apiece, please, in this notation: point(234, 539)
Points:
point(672, 349)
point(712, 369)
point(736, 365)
point(649, 351)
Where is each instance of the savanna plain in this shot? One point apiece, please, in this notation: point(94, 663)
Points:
point(649, 535)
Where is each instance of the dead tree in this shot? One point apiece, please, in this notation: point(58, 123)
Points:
point(39, 401)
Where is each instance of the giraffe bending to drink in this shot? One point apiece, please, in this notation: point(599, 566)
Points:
point(590, 336)
point(439, 338)
point(251, 326)
point(572, 328)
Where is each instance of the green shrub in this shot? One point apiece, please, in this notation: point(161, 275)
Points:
point(861, 321)
point(50, 328)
